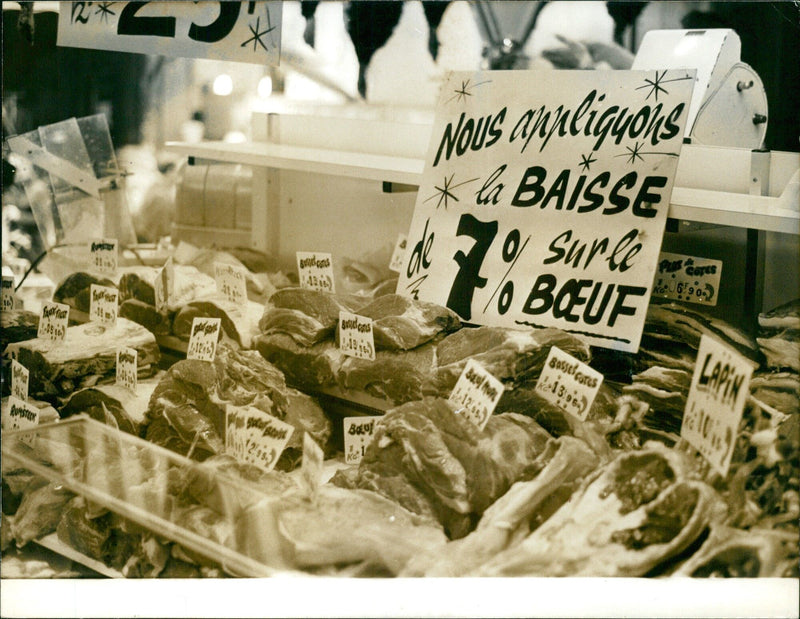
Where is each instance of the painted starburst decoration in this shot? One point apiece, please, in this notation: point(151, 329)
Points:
point(445, 192)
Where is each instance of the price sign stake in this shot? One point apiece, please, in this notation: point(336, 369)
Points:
point(19, 380)
point(163, 285)
point(53, 321)
point(231, 282)
point(312, 464)
point(203, 339)
point(103, 304)
point(568, 383)
point(315, 271)
point(477, 393)
point(356, 338)
point(127, 368)
point(358, 432)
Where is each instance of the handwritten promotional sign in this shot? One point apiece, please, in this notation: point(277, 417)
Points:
point(19, 380)
point(356, 338)
point(231, 282)
point(237, 31)
point(476, 393)
point(127, 373)
point(19, 415)
point(8, 293)
point(688, 278)
point(544, 198)
point(568, 383)
point(53, 321)
point(399, 254)
point(203, 339)
point(103, 256)
point(256, 437)
point(358, 433)
point(315, 271)
point(714, 407)
point(311, 467)
point(103, 304)
point(163, 285)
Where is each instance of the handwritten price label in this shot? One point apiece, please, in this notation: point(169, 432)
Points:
point(312, 464)
point(127, 368)
point(687, 278)
point(19, 415)
point(103, 256)
point(19, 380)
point(714, 407)
point(203, 339)
point(477, 393)
point(231, 282)
point(399, 254)
point(568, 383)
point(315, 271)
point(255, 437)
point(358, 432)
point(103, 304)
point(53, 321)
point(163, 285)
point(356, 338)
point(8, 296)
point(234, 31)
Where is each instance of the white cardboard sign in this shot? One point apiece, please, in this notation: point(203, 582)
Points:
point(53, 321)
point(19, 380)
point(20, 415)
point(127, 369)
point(256, 437)
point(237, 31)
point(476, 393)
point(231, 282)
point(315, 271)
point(356, 338)
point(714, 407)
point(8, 293)
point(358, 432)
point(688, 278)
point(568, 383)
point(399, 254)
point(103, 304)
point(104, 256)
point(544, 198)
point(203, 339)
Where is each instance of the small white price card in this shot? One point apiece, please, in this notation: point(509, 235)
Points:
point(103, 304)
point(719, 389)
point(355, 336)
point(19, 380)
point(358, 432)
point(127, 368)
point(8, 293)
point(476, 393)
point(315, 271)
point(687, 278)
point(53, 321)
point(203, 339)
point(231, 282)
point(103, 256)
point(163, 285)
point(256, 437)
point(568, 383)
point(399, 254)
point(19, 415)
point(312, 464)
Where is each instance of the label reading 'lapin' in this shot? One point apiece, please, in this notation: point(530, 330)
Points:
point(53, 321)
point(356, 338)
point(476, 393)
point(358, 432)
point(203, 339)
point(315, 271)
point(568, 383)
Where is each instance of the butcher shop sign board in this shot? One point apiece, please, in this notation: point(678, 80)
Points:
point(237, 31)
point(544, 198)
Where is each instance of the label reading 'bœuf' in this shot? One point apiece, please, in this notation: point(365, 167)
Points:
point(358, 433)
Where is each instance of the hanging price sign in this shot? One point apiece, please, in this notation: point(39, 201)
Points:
point(476, 393)
point(356, 338)
point(19, 415)
point(358, 433)
point(256, 437)
point(399, 254)
point(231, 282)
point(103, 304)
point(714, 407)
point(163, 285)
point(236, 31)
point(568, 383)
point(127, 368)
point(312, 464)
point(19, 380)
point(545, 196)
point(103, 256)
point(688, 278)
point(203, 339)
point(53, 321)
point(315, 271)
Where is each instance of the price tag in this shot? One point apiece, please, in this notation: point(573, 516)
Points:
point(232, 31)
point(714, 407)
point(8, 295)
point(103, 256)
point(203, 339)
point(315, 271)
point(127, 368)
point(687, 278)
point(53, 321)
point(477, 393)
point(103, 304)
point(355, 336)
point(568, 383)
point(312, 464)
point(164, 285)
point(231, 282)
point(256, 437)
point(19, 380)
point(19, 415)
point(358, 432)
point(399, 254)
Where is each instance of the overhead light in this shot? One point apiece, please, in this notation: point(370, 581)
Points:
point(223, 85)
point(265, 87)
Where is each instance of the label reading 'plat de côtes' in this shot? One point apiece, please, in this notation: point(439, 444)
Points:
point(568, 383)
point(103, 304)
point(315, 271)
point(127, 368)
point(53, 321)
point(688, 278)
point(476, 393)
point(356, 337)
point(231, 282)
point(203, 339)
point(103, 256)
point(358, 433)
